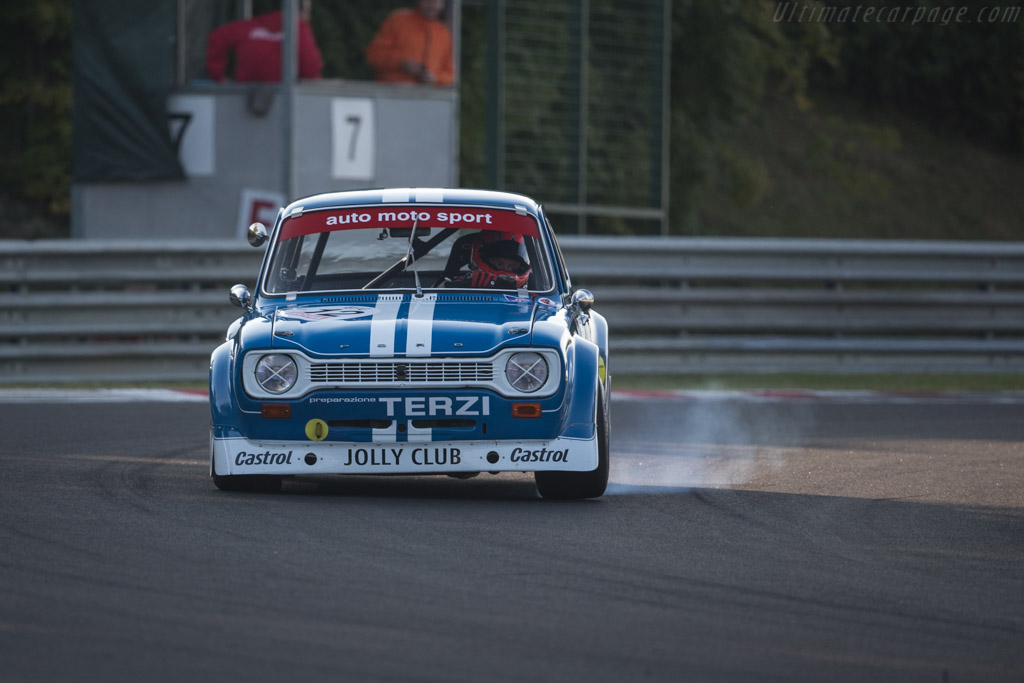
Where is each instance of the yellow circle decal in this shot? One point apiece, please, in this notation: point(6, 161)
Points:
point(316, 430)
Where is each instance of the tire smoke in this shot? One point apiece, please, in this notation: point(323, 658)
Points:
point(670, 446)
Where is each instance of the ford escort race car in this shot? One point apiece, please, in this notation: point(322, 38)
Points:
point(412, 331)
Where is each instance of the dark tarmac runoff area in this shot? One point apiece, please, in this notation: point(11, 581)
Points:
point(830, 539)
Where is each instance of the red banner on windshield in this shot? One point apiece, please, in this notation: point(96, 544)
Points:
point(406, 216)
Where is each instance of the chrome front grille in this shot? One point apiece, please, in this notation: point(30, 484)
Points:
point(419, 372)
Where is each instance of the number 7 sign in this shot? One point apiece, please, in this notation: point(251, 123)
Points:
point(353, 138)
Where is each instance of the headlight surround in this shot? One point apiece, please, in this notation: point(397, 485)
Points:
point(526, 371)
point(276, 373)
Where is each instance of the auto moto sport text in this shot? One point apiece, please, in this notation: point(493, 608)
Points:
point(402, 217)
point(405, 217)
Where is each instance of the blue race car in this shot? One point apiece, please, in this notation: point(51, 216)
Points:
point(412, 331)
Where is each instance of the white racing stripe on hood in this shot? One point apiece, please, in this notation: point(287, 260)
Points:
point(394, 195)
point(421, 325)
point(382, 325)
point(434, 196)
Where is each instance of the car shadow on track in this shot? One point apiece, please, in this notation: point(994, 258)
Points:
point(505, 487)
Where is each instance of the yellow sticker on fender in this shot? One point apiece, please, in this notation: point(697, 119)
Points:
point(316, 430)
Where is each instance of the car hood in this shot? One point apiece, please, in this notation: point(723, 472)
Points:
point(405, 326)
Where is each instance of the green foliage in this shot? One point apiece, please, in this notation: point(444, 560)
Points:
point(343, 31)
point(541, 100)
point(625, 94)
point(473, 98)
point(737, 64)
point(728, 56)
point(35, 105)
point(837, 172)
point(963, 78)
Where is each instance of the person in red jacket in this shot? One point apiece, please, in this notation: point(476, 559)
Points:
point(413, 46)
point(256, 44)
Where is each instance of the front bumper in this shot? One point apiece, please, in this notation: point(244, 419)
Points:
point(238, 455)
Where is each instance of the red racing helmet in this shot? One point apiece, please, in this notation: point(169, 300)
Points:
point(498, 259)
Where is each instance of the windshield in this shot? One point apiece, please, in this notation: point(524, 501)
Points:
point(408, 247)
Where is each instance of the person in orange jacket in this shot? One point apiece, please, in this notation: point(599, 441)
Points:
point(257, 43)
point(413, 46)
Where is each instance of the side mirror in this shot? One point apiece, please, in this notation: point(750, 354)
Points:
point(580, 304)
point(583, 299)
point(241, 297)
point(257, 235)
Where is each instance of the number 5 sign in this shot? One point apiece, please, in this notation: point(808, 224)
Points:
point(354, 138)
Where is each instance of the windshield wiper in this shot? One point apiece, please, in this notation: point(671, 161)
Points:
point(416, 251)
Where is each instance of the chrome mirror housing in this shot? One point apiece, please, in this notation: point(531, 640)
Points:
point(257, 234)
point(583, 299)
point(240, 297)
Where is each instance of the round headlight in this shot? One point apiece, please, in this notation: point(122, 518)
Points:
point(276, 373)
point(526, 372)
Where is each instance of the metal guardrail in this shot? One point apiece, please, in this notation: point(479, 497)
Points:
point(130, 311)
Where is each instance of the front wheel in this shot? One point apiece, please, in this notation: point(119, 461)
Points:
point(577, 485)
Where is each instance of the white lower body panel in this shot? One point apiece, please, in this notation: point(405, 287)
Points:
point(242, 456)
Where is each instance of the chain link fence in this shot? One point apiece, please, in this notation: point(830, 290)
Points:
point(578, 107)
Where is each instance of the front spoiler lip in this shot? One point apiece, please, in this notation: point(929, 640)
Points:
point(406, 457)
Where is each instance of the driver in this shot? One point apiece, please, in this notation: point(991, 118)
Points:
point(495, 259)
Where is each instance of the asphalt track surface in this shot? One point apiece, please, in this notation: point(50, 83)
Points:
point(821, 539)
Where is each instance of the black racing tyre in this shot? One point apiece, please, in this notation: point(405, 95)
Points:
point(578, 485)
